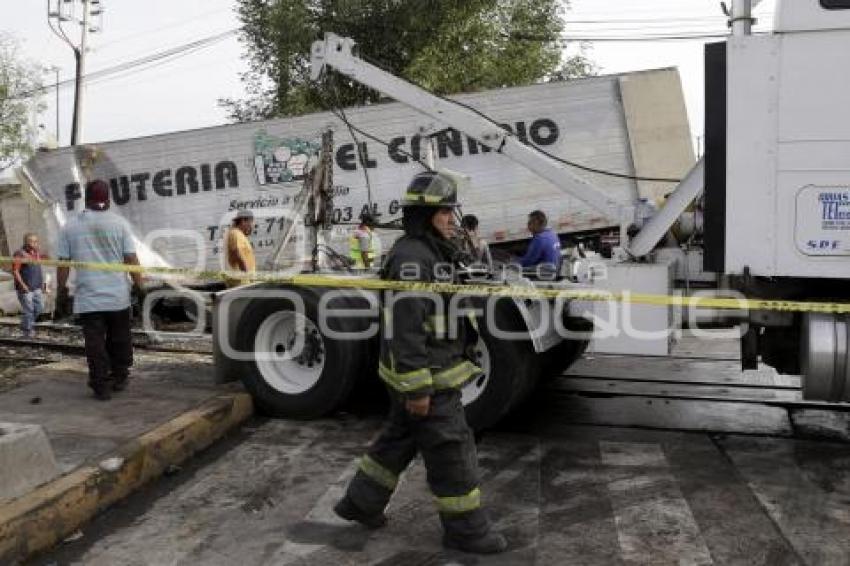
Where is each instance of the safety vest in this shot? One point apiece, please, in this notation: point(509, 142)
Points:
point(354, 251)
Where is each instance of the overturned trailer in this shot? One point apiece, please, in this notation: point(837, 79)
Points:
point(179, 190)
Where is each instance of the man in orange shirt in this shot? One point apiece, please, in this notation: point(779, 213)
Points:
point(240, 252)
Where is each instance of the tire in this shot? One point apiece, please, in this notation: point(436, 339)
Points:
point(558, 359)
point(296, 388)
point(510, 371)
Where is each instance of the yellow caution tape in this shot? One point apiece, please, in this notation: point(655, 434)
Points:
point(354, 282)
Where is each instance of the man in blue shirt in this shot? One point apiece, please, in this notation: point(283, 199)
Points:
point(545, 247)
point(101, 298)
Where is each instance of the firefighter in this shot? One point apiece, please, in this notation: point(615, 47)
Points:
point(424, 369)
point(362, 243)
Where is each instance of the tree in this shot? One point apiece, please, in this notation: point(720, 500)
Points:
point(20, 86)
point(446, 46)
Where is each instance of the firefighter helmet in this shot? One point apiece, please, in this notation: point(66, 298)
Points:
point(431, 188)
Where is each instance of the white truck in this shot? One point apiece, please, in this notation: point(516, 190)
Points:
point(777, 179)
point(777, 190)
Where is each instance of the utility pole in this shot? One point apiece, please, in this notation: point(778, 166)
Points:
point(58, 12)
point(80, 56)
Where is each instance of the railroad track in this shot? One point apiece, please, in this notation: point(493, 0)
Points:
point(141, 339)
point(79, 349)
point(691, 390)
point(35, 360)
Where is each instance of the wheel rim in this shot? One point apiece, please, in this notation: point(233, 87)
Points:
point(825, 358)
point(289, 352)
point(473, 390)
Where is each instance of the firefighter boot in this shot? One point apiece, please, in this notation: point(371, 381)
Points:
point(350, 512)
point(491, 543)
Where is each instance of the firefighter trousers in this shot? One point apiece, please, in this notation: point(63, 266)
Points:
point(448, 450)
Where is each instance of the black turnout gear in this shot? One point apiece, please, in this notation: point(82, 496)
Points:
point(420, 357)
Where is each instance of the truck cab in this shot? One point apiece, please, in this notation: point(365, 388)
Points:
point(777, 185)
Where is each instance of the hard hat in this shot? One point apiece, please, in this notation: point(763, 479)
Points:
point(431, 188)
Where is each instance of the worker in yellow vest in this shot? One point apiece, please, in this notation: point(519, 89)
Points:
point(362, 243)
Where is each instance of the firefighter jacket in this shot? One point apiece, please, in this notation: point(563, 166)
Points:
point(422, 349)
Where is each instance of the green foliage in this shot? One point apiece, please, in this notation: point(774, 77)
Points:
point(447, 46)
point(18, 81)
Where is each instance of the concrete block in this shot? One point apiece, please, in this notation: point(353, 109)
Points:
point(26, 459)
point(45, 516)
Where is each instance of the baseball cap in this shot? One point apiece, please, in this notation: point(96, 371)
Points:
point(97, 195)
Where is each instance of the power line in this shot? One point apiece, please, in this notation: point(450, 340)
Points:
point(157, 62)
point(153, 60)
point(164, 56)
point(360, 152)
point(620, 37)
point(651, 29)
point(714, 19)
point(593, 34)
point(375, 138)
point(639, 39)
point(628, 38)
point(160, 29)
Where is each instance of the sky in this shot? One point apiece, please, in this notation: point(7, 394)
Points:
point(182, 93)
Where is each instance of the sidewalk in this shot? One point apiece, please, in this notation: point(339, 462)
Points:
point(106, 450)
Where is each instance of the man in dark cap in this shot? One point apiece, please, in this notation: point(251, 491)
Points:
point(101, 297)
point(424, 369)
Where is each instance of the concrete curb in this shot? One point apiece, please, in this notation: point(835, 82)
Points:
point(49, 514)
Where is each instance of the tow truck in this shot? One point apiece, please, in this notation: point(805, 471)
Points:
point(776, 184)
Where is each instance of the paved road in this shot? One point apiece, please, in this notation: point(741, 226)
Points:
point(562, 495)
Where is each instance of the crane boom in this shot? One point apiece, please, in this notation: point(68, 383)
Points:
point(336, 52)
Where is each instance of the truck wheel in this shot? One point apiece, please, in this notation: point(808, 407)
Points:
point(510, 370)
point(558, 359)
point(304, 386)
